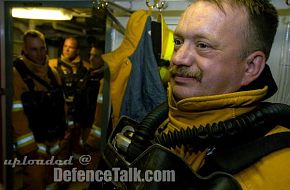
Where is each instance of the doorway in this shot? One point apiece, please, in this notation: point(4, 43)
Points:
point(87, 24)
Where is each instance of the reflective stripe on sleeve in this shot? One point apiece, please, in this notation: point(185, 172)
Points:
point(96, 131)
point(17, 106)
point(54, 149)
point(42, 148)
point(70, 123)
point(82, 142)
point(25, 140)
point(76, 156)
point(100, 98)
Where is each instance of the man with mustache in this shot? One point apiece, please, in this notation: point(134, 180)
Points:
point(219, 72)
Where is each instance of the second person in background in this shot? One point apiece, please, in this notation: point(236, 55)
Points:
point(80, 92)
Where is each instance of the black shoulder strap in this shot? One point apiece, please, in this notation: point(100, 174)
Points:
point(81, 70)
point(25, 72)
point(18, 64)
point(61, 63)
point(238, 158)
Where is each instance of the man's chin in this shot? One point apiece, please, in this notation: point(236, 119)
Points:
point(180, 92)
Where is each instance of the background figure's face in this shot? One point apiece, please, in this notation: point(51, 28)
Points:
point(69, 49)
point(35, 50)
point(206, 55)
point(95, 57)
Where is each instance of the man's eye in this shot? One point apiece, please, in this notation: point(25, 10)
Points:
point(178, 42)
point(202, 45)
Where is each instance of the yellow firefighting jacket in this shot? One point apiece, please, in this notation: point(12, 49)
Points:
point(271, 172)
point(94, 137)
point(23, 136)
point(54, 62)
point(119, 63)
point(74, 64)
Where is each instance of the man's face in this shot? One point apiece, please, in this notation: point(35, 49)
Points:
point(35, 50)
point(95, 57)
point(69, 49)
point(207, 47)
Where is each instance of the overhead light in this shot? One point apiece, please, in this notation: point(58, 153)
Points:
point(41, 13)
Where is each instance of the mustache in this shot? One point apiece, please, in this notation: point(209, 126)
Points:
point(184, 71)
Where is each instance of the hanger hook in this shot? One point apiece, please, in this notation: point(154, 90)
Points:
point(161, 5)
point(102, 4)
point(150, 5)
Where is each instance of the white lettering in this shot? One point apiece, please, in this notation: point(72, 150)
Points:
point(57, 174)
point(113, 175)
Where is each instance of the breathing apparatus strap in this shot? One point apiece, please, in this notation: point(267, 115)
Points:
point(61, 63)
point(44, 109)
point(80, 67)
point(25, 73)
point(82, 74)
point(233, 160)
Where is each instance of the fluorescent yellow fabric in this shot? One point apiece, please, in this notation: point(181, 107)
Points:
point(167, 41)
point(271, 172)
point(198, 111)
point(164, 74)
point(209, 109)
point(119, 63)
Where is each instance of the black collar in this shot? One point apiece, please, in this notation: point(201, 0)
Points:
point(265, 79)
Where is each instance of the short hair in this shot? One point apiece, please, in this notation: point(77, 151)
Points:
point(262, 26)
point(74, 39)
point(33, 34)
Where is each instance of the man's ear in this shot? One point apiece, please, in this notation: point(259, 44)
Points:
point(255, 64)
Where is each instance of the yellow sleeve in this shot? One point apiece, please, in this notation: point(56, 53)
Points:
point(23, 136)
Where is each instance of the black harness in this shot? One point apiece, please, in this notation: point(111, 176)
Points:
point(44, 109)
point(229, 154)
point(81, 92)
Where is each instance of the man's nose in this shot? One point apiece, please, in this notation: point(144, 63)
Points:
point(183, 55)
